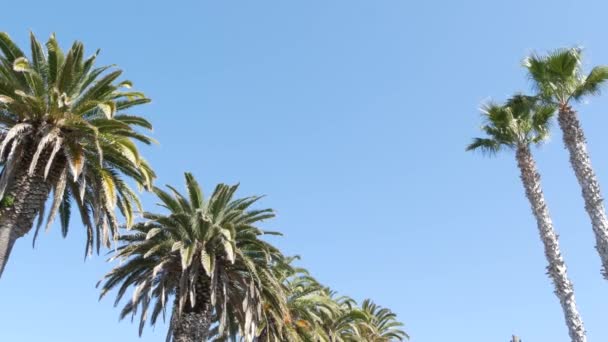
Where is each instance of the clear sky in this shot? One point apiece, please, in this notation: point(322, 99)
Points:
point(352, 116)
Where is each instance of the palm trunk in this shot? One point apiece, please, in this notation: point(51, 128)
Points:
point(24, 197)
point(575, 142)
point(557, 267)
point(194, 323)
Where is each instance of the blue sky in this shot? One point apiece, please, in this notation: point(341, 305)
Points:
point(352, 116)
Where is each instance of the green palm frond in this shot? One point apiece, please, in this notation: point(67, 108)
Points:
point(591, 85)
point(489, 146)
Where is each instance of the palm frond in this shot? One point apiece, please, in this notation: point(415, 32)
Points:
point(488, 146)
point(592, 84)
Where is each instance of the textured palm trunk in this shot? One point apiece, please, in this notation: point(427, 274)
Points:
point(557, 267)
point(575, 142)
point(194, 324)
point(24, 197)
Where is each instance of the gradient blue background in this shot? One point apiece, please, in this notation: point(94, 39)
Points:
point(352, 116)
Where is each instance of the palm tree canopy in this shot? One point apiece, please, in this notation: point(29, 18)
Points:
point(381, 325)
point(214, 239)
point(309, 306)
point(559, 78)
point(346, 323)
point(521, 121)
point(70, 116)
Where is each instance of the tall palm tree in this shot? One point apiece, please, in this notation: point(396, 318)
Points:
point(64, 129)
point(207, 254)
point(517, 125)
point(560, 81)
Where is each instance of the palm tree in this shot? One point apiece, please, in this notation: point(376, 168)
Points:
point(64, 129)
point(560, 81)
point(306, 310)
point(345, 324)
point(370, 323)
point(207, 254)
point(381, 324)
point(517, 125)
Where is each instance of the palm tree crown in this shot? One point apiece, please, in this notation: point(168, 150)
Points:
point(65, 119)
point(307, 308)
point(520, 122)
point(203, 250)
point(559, 78)
point(381, 324)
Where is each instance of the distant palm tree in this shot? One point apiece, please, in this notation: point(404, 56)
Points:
point(315, 313)
point(368, 322)
point(381, 324)
point(207, 254)
point(560, 80)
point(307, 307)
point(64, 129)
point(344, 325)
point(517, 125)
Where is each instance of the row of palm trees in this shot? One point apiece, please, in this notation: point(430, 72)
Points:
point(66, 135)
point(523, 121)
point(226, 281)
